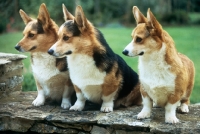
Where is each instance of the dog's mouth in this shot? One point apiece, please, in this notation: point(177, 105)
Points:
point(141, 53)
point(68, 52)
point(33, 48)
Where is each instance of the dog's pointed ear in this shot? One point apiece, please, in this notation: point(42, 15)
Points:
point(80, 19)
point(43, 16)
point(139, 17)
point(67, 14)
point(154, 24)
point(24, 17)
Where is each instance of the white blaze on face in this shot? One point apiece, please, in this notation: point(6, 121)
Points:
point(60, 29)
point(130, 48)
point(55, 45)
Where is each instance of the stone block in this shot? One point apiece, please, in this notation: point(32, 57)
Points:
point(11, 69)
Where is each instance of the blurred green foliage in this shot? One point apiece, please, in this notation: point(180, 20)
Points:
point(100, 12)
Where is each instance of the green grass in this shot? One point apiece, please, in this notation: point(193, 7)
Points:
point(187, 41)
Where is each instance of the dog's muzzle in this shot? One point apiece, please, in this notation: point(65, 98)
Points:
point(125, 52)
point(51, 51)
point(17, 47)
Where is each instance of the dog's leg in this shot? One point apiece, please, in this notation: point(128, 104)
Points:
point(147, 105)
point(173, 103)
point(80, 102)
point(66, 98)
point(40, 99)
point(67, 93)
point(186, 99)
point(170, 112)
point(109, 90)
point(108, 102)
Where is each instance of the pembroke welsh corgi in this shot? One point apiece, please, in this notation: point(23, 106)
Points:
point(166, 76)
point(50, 73)
point(98, 74)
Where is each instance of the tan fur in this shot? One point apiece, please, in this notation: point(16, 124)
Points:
point(152, 39)
point(111, 82)
point(76, 89)
point(88, 41)
point(88, 38)
point(67, 15)
point(104, 89)
point(38, 38)
point(57, 87)
point(181, 65)
point(38, 84)
point(134, 98)
point(54, 81)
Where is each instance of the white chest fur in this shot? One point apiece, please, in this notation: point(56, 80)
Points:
point(156, 77)
point(85, 75)
point(44, 66)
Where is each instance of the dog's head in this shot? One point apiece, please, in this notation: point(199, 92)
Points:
point(76, 35)
point(146, 37)
point(39, 34)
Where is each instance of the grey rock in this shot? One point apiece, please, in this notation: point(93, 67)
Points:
point(11, 68)
point(99, 130)
point(8, 57)
point(51, 118)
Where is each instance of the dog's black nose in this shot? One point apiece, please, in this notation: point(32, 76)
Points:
point(51, 51)
point(17, 47)
point(125, 52)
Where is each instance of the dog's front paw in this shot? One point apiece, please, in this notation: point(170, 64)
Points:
point(66, 104)
point(171, 120)
point(76, 108)
point(106, 109)
point(39, 101)
point(143, 115)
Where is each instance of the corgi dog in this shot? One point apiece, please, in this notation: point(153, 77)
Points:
point(166, 76)
point(50, 73)
point(98, 74)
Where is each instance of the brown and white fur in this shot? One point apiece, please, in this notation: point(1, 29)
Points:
point(50, 73)
point(167, 76)
point(98, 74)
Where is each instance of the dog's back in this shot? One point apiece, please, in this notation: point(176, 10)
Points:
point(129, 93)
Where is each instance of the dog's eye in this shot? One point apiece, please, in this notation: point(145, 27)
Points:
point(138, 39)
point(30, 35)
point(65, 38)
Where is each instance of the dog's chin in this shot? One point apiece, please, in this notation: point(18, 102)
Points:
point(61, 56)
point(58, 55)
point(22, 51)
point(135, 55)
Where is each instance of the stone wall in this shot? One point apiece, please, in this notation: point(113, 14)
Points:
point(11, 78)
point(17, 115)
